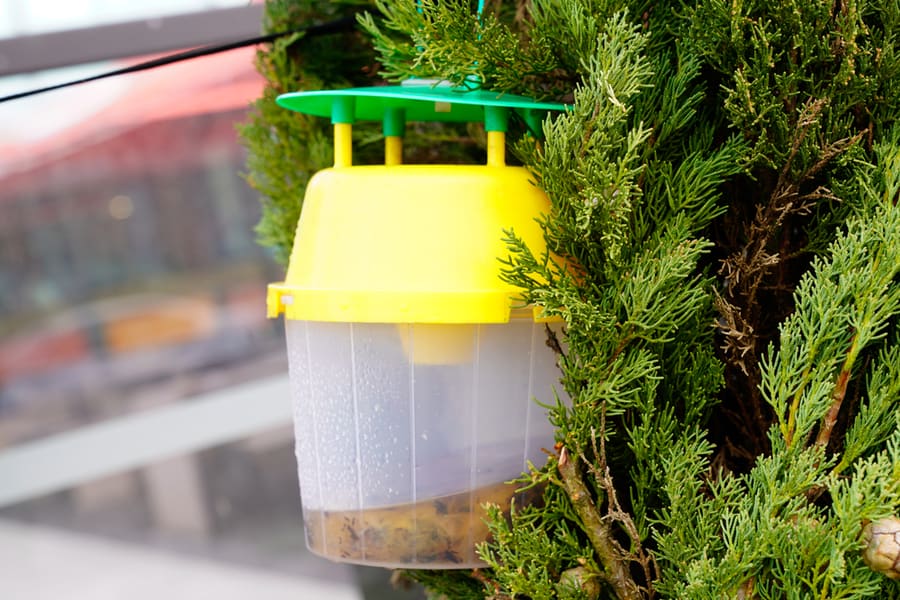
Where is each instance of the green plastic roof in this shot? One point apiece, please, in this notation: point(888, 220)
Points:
point(421, 102)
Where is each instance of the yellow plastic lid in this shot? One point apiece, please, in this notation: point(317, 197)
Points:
point(408, 244)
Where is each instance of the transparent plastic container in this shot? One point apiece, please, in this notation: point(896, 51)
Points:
point(404, 430)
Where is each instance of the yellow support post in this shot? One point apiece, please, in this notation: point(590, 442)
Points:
point(496, 149)
point(393, 150)
point(343, 144)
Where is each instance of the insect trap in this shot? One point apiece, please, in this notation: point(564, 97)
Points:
point(413, 374)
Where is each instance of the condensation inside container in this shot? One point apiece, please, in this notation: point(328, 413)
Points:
point(397, 424)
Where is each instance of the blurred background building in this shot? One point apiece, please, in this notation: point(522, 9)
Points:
point(145, 438)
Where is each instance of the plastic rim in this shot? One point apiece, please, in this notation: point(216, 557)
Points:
point(419, 103)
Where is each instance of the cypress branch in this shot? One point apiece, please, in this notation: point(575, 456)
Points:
point(613, 558)
point(725, 254)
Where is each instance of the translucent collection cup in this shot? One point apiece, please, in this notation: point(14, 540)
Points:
point(404, 431)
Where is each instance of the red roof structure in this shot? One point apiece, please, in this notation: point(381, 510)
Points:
point(222, 83)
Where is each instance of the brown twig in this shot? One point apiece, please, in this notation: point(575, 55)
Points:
point(837, 396)
point(809, 116)
point(478, 575)
point(745, 590)
point(744, 322)
point(613, 559)
point(615, 514)
point(553, 341)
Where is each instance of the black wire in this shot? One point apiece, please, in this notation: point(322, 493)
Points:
point(338, 25)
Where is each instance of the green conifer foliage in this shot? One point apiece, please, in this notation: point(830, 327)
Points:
point(284, 148)
point(725, 241)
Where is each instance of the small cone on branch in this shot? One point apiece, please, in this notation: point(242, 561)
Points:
point(882, 552)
